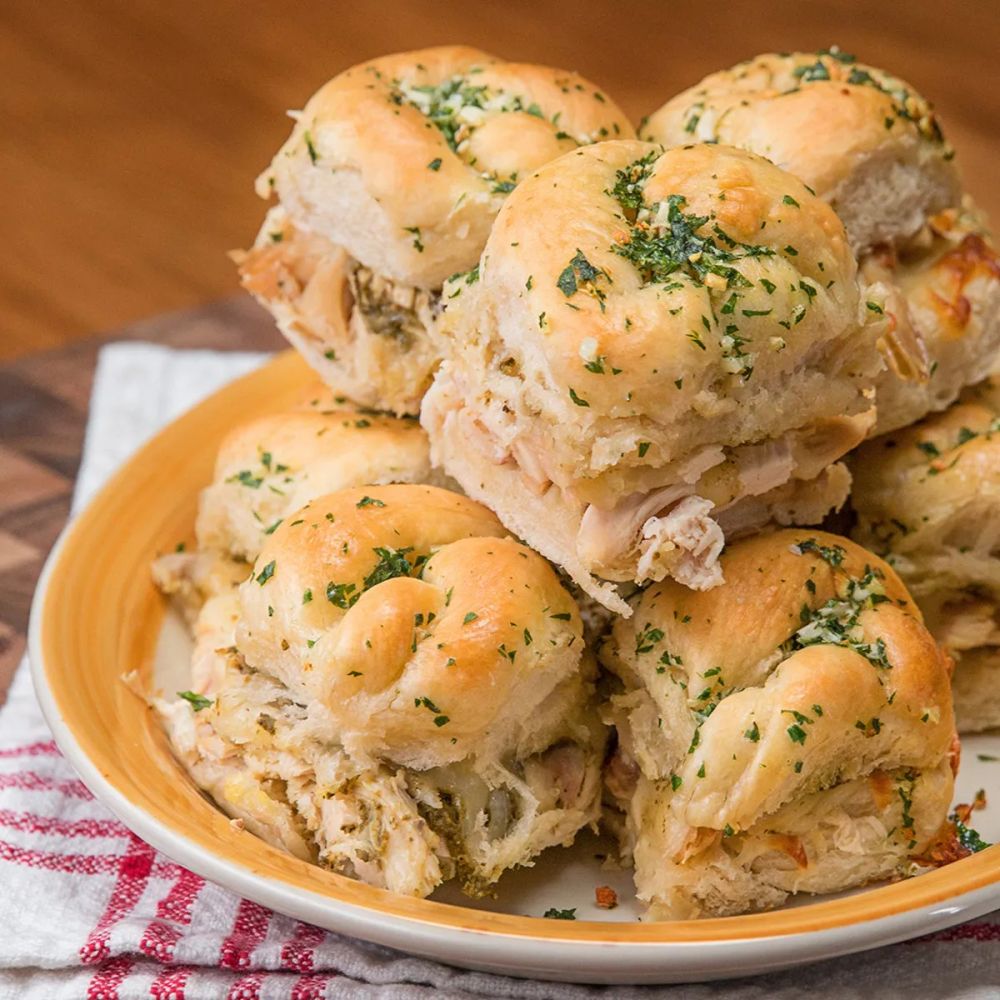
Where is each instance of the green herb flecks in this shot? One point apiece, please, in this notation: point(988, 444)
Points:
point(970, 839)
point(647, 638)
point(342, 595)
point(838, 621)
point(197, 701)
point(831, 554)
point(579, 275)
point(440, 719)
point(659, 249)
point(391, 563)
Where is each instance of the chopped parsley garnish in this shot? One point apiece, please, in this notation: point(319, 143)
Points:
point(969, 838)
point(628, 185)
point(661, 249)
point(367, 501)
point(391, 563)
point(470, 616)
point(817, 71)
point(837, 622)
point(580, 275)
point(647, 638)
point(553, 914)
point(831, 554)
point(905, 104)
point(435, 164)
point(311, 147)
point(448, 104)
point(246, 478)
point(439, 718)
point(415, 232)
point(577, 399)
point(266, 573)
point(196, 701)
point(342, 595)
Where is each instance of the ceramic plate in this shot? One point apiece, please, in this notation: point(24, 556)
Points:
point(97, 616)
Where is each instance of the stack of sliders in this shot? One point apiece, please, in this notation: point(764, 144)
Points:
point(545, 549)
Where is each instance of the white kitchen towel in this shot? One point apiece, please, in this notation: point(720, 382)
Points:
point(87, 910)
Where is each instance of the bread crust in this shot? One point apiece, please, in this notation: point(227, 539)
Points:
point(388, 185)
point(270, 466)
point(835, 689)
point(379, 164)
point(391, 654)
point(861, 138)
point(602, 368)
point(927, 498)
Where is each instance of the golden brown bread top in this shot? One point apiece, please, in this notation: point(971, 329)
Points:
point(825, 117)
point(910, 483)
point(405, 160)
point(809, 666)
point(617, 313)
point(623, 284)
point(270, 466)
point(409, 615)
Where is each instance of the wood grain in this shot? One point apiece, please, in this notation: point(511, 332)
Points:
point(43, 415)
point(134, 128)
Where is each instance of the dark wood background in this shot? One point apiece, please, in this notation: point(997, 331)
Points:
point(133, 129)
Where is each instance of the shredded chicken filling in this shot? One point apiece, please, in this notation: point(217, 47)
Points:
point(276, 763)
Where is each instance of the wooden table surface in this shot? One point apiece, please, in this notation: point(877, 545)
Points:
point(43, 414)
point(133, 129)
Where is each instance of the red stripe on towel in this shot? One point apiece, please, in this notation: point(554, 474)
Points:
point(297, 954)
point(134, 871)
point(173, 914)
point(249, 929)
